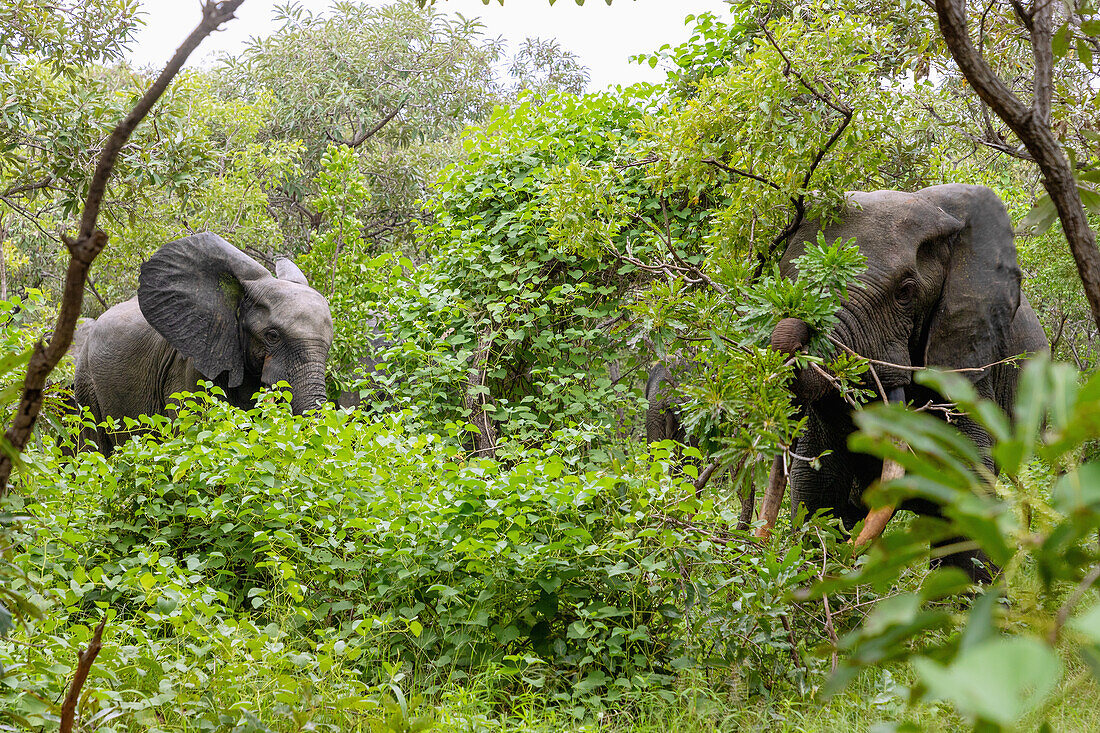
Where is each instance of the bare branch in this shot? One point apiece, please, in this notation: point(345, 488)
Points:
point(83, 667)
point(90, 241)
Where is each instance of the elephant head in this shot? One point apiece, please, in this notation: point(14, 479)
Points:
point(241, 327)
point(941, 288)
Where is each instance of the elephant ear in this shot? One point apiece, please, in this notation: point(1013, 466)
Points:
point(190, 291)
point(287, 270)
point(981, 292)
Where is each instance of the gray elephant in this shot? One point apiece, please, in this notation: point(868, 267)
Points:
point(942, 288)
point(204, 310)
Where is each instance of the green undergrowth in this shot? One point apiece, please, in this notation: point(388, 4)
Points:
point(264, 571)
point(261, 571)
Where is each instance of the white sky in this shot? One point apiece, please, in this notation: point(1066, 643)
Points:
point(603, 37)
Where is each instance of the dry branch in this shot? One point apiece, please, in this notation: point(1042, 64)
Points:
point(90, 241)
point(83, 667)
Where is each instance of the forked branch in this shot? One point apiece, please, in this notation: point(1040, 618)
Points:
point(90, 241)
point(1031, 124)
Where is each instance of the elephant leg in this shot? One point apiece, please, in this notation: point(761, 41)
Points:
point(825, 488)
point(975, 563)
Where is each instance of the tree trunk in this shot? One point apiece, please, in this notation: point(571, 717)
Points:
point(1032, 126)
point(477, 398)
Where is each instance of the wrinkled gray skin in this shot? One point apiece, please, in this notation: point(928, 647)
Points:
point(204, 310)
point(661, 420)
point(942, 289)
point(367, 367)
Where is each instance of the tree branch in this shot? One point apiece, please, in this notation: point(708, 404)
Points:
point(83, 667)
point(26, 187)
point(368, 134)
point(90, 241)
point(1030, 125)
point(825, 97)
point(738, 172)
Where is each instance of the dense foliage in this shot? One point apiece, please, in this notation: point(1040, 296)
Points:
point(485, 543)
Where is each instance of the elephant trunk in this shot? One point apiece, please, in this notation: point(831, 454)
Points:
point(307, 388)
point(791, 335)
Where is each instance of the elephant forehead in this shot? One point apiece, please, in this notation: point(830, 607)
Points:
point(894, 218)
point(889, 228)
point(297, 309)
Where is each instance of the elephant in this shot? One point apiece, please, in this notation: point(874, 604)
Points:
point(941, 289)
point(203, 310)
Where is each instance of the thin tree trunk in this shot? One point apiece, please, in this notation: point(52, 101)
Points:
point(477, 398)
point(90, 241)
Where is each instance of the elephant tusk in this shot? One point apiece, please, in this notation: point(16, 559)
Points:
point(777, 484)
point(875, 522)
point(876, 519)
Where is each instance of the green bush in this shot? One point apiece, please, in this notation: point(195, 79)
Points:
point(332, 545)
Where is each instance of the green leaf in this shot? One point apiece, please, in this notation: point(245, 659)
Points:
point(1088, 623)
point(1039, 219)
point(1078, 490)
point(999, 681)
point(1060, 42)
point(980, 626)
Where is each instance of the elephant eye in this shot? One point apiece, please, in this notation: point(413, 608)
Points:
point(906, 291)
point(272, 336)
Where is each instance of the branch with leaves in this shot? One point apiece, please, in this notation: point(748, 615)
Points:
point(90, 241)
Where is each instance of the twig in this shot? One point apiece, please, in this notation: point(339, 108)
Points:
point(699, 530)
point(83, 666)
point(835, 383)
point(1067, 608)
point(90, 241)
point(738, 172)
point(908, 368)
point(634, 163)
point(878, 383)
point(790, 637)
